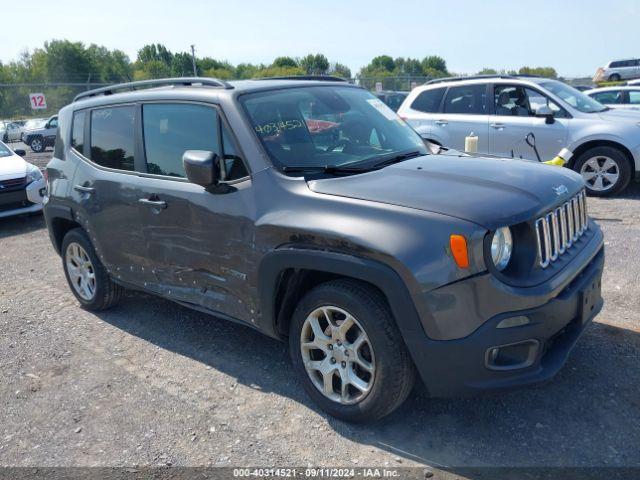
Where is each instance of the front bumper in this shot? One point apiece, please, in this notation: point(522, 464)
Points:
point(27, 200)
point(462, 366)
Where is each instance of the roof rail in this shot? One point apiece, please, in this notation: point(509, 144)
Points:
point(326, 78)
point(479, 77)
point(110, 90)
point(470, 77)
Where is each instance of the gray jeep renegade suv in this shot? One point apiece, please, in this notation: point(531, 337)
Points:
point(308, 210)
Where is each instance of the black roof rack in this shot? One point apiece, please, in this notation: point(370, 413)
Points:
point(209, 82)
point(326, 78)
point(478, 77)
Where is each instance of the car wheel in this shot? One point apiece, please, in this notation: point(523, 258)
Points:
point(347, 350)
point(37, 145)
point(87, 277)
point(614, 77)
point(605, 170)
point(5, 138)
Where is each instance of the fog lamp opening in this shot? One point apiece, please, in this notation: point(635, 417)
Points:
point(512, 356)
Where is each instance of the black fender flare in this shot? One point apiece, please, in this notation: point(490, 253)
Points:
point(374, 272)
point(53, 212)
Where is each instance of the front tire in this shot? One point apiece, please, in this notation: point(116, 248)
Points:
point(37, 144)
point(605, 170)
point(348, 352)
point(87, 277)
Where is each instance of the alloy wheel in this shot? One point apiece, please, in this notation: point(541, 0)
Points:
point(337, 355)
point(81, 272)
point(600, 173)
point(36, 145)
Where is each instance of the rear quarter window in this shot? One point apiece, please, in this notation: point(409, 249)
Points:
point(77, 131)
point(428, 101)
point(113, 137)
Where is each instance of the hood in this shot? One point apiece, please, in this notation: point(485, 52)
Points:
point(491, 192)
point(622, 115)
point(12, 167)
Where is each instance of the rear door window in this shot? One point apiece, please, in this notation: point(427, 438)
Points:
point(466, 99)
point(428, 101)
point(634, 97)
point(113, 137)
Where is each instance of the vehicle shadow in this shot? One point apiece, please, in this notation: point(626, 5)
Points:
point(21, 224)
point(632, 192)
point(589, 415)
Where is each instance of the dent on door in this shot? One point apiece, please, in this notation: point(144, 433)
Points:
point(201, 245)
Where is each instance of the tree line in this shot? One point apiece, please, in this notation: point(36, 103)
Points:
point(63, 61)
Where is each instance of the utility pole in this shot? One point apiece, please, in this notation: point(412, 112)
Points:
point(193, 60)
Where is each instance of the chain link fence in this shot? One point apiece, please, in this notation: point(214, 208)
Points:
point(15, 103)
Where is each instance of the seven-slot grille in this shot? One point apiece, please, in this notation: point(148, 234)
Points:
point(561, 228)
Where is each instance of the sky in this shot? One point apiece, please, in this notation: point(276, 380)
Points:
point(573, 36)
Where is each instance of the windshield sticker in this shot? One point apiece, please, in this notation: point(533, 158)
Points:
point(277, 127)
point(382, 108)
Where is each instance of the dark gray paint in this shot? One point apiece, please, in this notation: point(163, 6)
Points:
point(210, 247)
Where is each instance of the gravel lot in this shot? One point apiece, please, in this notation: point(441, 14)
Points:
point(152, 383)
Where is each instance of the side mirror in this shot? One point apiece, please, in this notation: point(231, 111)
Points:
point(21, 152)
point(201, 167)
point(546, 112)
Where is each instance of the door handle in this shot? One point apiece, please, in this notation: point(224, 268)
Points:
point(83, 189)
point(497, 126)
point(442, 122)
point(161, 204)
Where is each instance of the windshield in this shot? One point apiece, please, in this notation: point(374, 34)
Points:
point(33, 124)
point(4, 151)
point(573, 97)
point(327, 126)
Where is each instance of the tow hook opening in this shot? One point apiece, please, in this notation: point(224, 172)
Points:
point(512, 356)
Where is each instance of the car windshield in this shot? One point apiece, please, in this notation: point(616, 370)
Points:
point(4, 151)
point(573, 97)
point(32, 124)
point(324, 126)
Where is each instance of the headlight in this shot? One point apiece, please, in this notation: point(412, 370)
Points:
point(33, 174)
point(501, 247)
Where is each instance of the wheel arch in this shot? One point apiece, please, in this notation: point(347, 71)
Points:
point(59, 219)
point(286, 275)
point(578, 151)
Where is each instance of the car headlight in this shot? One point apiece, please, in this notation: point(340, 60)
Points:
point(33, 174)
point(501, 247)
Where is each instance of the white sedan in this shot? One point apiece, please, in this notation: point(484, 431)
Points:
point(622, 97)
point(22, 185)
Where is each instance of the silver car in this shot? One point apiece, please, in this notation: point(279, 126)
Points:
point(9, 131)
point(618, 70)
point(530, 118)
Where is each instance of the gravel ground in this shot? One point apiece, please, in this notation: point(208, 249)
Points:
point(152, 383)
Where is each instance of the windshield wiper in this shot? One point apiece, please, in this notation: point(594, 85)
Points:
point(322, 169)
point(354, 167)
point(395, 158)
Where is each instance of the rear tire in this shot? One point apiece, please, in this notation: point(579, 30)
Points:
point(614, 77)
point(87, 277)
point(605, 170)
point(380, 361)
